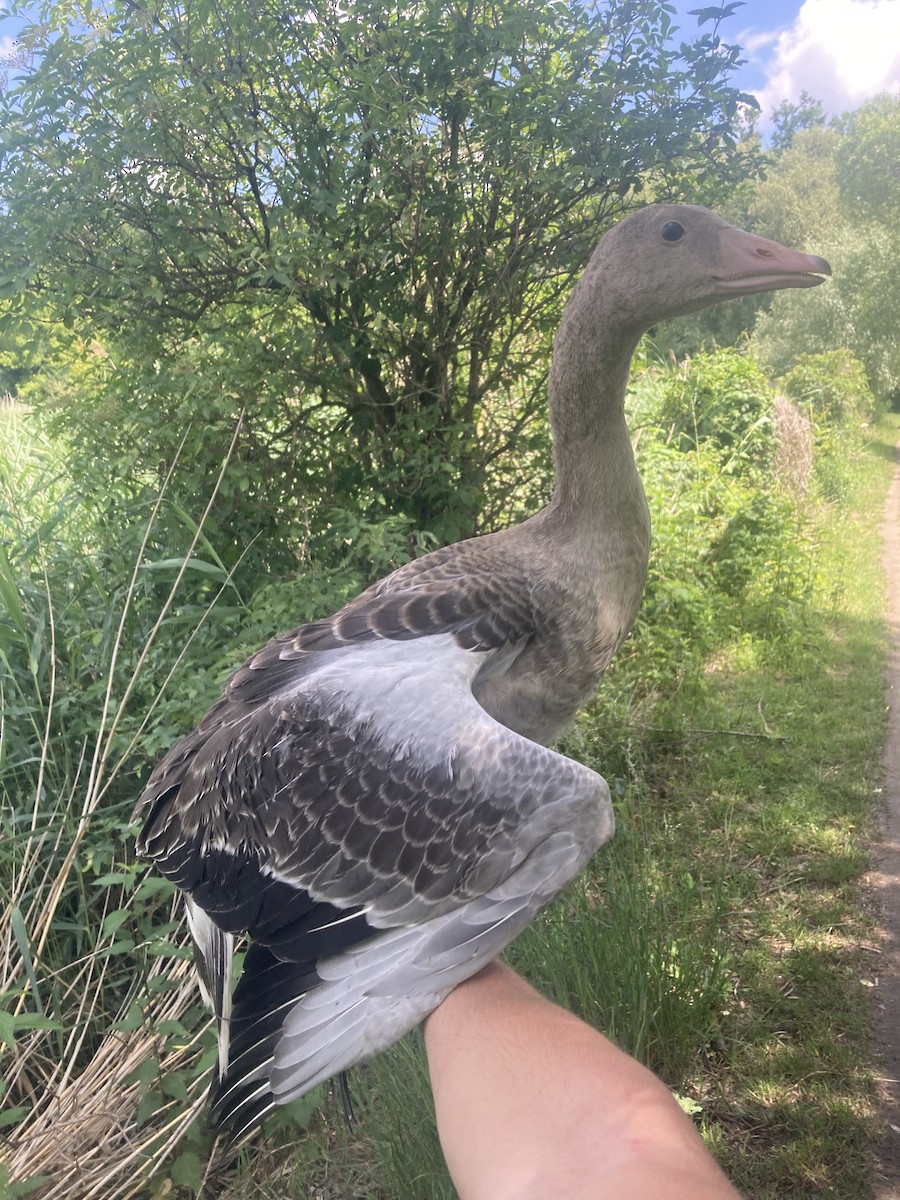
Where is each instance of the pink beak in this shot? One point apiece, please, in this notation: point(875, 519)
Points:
point(748, 264)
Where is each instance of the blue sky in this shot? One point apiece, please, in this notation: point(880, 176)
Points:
point(842, 52)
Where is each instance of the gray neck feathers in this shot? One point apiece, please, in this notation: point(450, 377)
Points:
point(588, 378)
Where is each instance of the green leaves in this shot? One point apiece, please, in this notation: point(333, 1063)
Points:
point(829, 192)
point(13, 1024)
point(718, 12)
point(722, 399)
point(867, 158)
point(358, 223)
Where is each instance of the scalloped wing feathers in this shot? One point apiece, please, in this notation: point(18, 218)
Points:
point(352, 808)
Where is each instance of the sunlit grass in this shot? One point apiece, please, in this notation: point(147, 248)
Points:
point(720, 937)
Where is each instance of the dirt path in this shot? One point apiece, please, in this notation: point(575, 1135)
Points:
point(885, 878)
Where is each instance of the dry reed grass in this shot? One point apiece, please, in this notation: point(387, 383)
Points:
point(75, 1129)
point(82, 1139)
point(794, 447)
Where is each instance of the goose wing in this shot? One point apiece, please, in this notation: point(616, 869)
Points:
point(378, 836)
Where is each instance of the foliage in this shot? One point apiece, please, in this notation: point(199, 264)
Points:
point(871, 137)
point(833, 386)
point(353, 224)
point(722, 399)
point(35, 347)
point(799, 202)
point(728, 555)
point(826, 194)
point(833, 390)
point(853, 311)
point(788, 119)
point(98, 1010)
point(731, 551)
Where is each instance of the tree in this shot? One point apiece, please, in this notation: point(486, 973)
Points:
point(836, 191)
point(355, 220)
point(789, 119)
point(799, 202)
point(868, 159)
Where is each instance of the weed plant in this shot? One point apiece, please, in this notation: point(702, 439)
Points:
point(718, 937)
point(100, 1022)
point(832, 390)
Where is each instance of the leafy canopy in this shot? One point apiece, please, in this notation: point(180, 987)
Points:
point(788, 119)
point(836, 192)
point(354, 220)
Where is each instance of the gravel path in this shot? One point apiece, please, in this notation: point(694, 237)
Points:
point(885, 877)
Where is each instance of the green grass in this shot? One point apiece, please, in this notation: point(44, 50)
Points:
point(722, 937)
point(102, 1050)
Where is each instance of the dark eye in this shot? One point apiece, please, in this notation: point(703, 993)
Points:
point(672, 231)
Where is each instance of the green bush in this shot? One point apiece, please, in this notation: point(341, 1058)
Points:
point(732, 553)
point(722, 398)
point(833, 389)
point(832, 385)
point(762, 561)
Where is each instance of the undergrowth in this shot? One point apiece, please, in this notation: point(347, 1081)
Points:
point(718, 938)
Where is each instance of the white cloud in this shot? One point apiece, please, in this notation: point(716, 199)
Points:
point(842, 52)
point(752, 40)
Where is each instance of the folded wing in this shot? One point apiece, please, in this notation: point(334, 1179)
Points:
point(377, 835)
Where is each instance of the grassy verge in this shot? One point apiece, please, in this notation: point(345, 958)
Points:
point(722, 938)
point(101, 1033)
point(789, 1104)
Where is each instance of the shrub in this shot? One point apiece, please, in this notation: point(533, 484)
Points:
point(731, 553)
point(832, 385)
point(724, 399)
point(762, 562)
point(833, 389)
point(855, 309)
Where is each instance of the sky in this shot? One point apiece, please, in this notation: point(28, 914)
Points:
point(842, 52)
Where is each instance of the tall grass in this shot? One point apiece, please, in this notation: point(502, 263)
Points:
point(104, 1043)
point(115, 633)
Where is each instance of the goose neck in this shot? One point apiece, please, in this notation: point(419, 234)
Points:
point(591, 444)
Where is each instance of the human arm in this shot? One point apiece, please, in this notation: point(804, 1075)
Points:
point(532, 1103)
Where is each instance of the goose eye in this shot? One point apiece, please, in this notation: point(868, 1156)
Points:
point(672, 231)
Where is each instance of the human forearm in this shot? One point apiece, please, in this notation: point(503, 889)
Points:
point(533, 1103)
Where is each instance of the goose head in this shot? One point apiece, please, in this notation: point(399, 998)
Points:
point(669, 259)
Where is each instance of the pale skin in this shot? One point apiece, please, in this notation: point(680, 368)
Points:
point(532, 1103)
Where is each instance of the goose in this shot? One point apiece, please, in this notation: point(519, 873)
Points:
point(372, 803)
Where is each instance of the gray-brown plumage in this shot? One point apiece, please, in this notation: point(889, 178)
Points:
point(372, 801)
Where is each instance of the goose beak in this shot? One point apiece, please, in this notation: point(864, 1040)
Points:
point(749, 264)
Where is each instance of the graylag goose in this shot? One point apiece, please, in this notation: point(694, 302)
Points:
point(372, 803)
